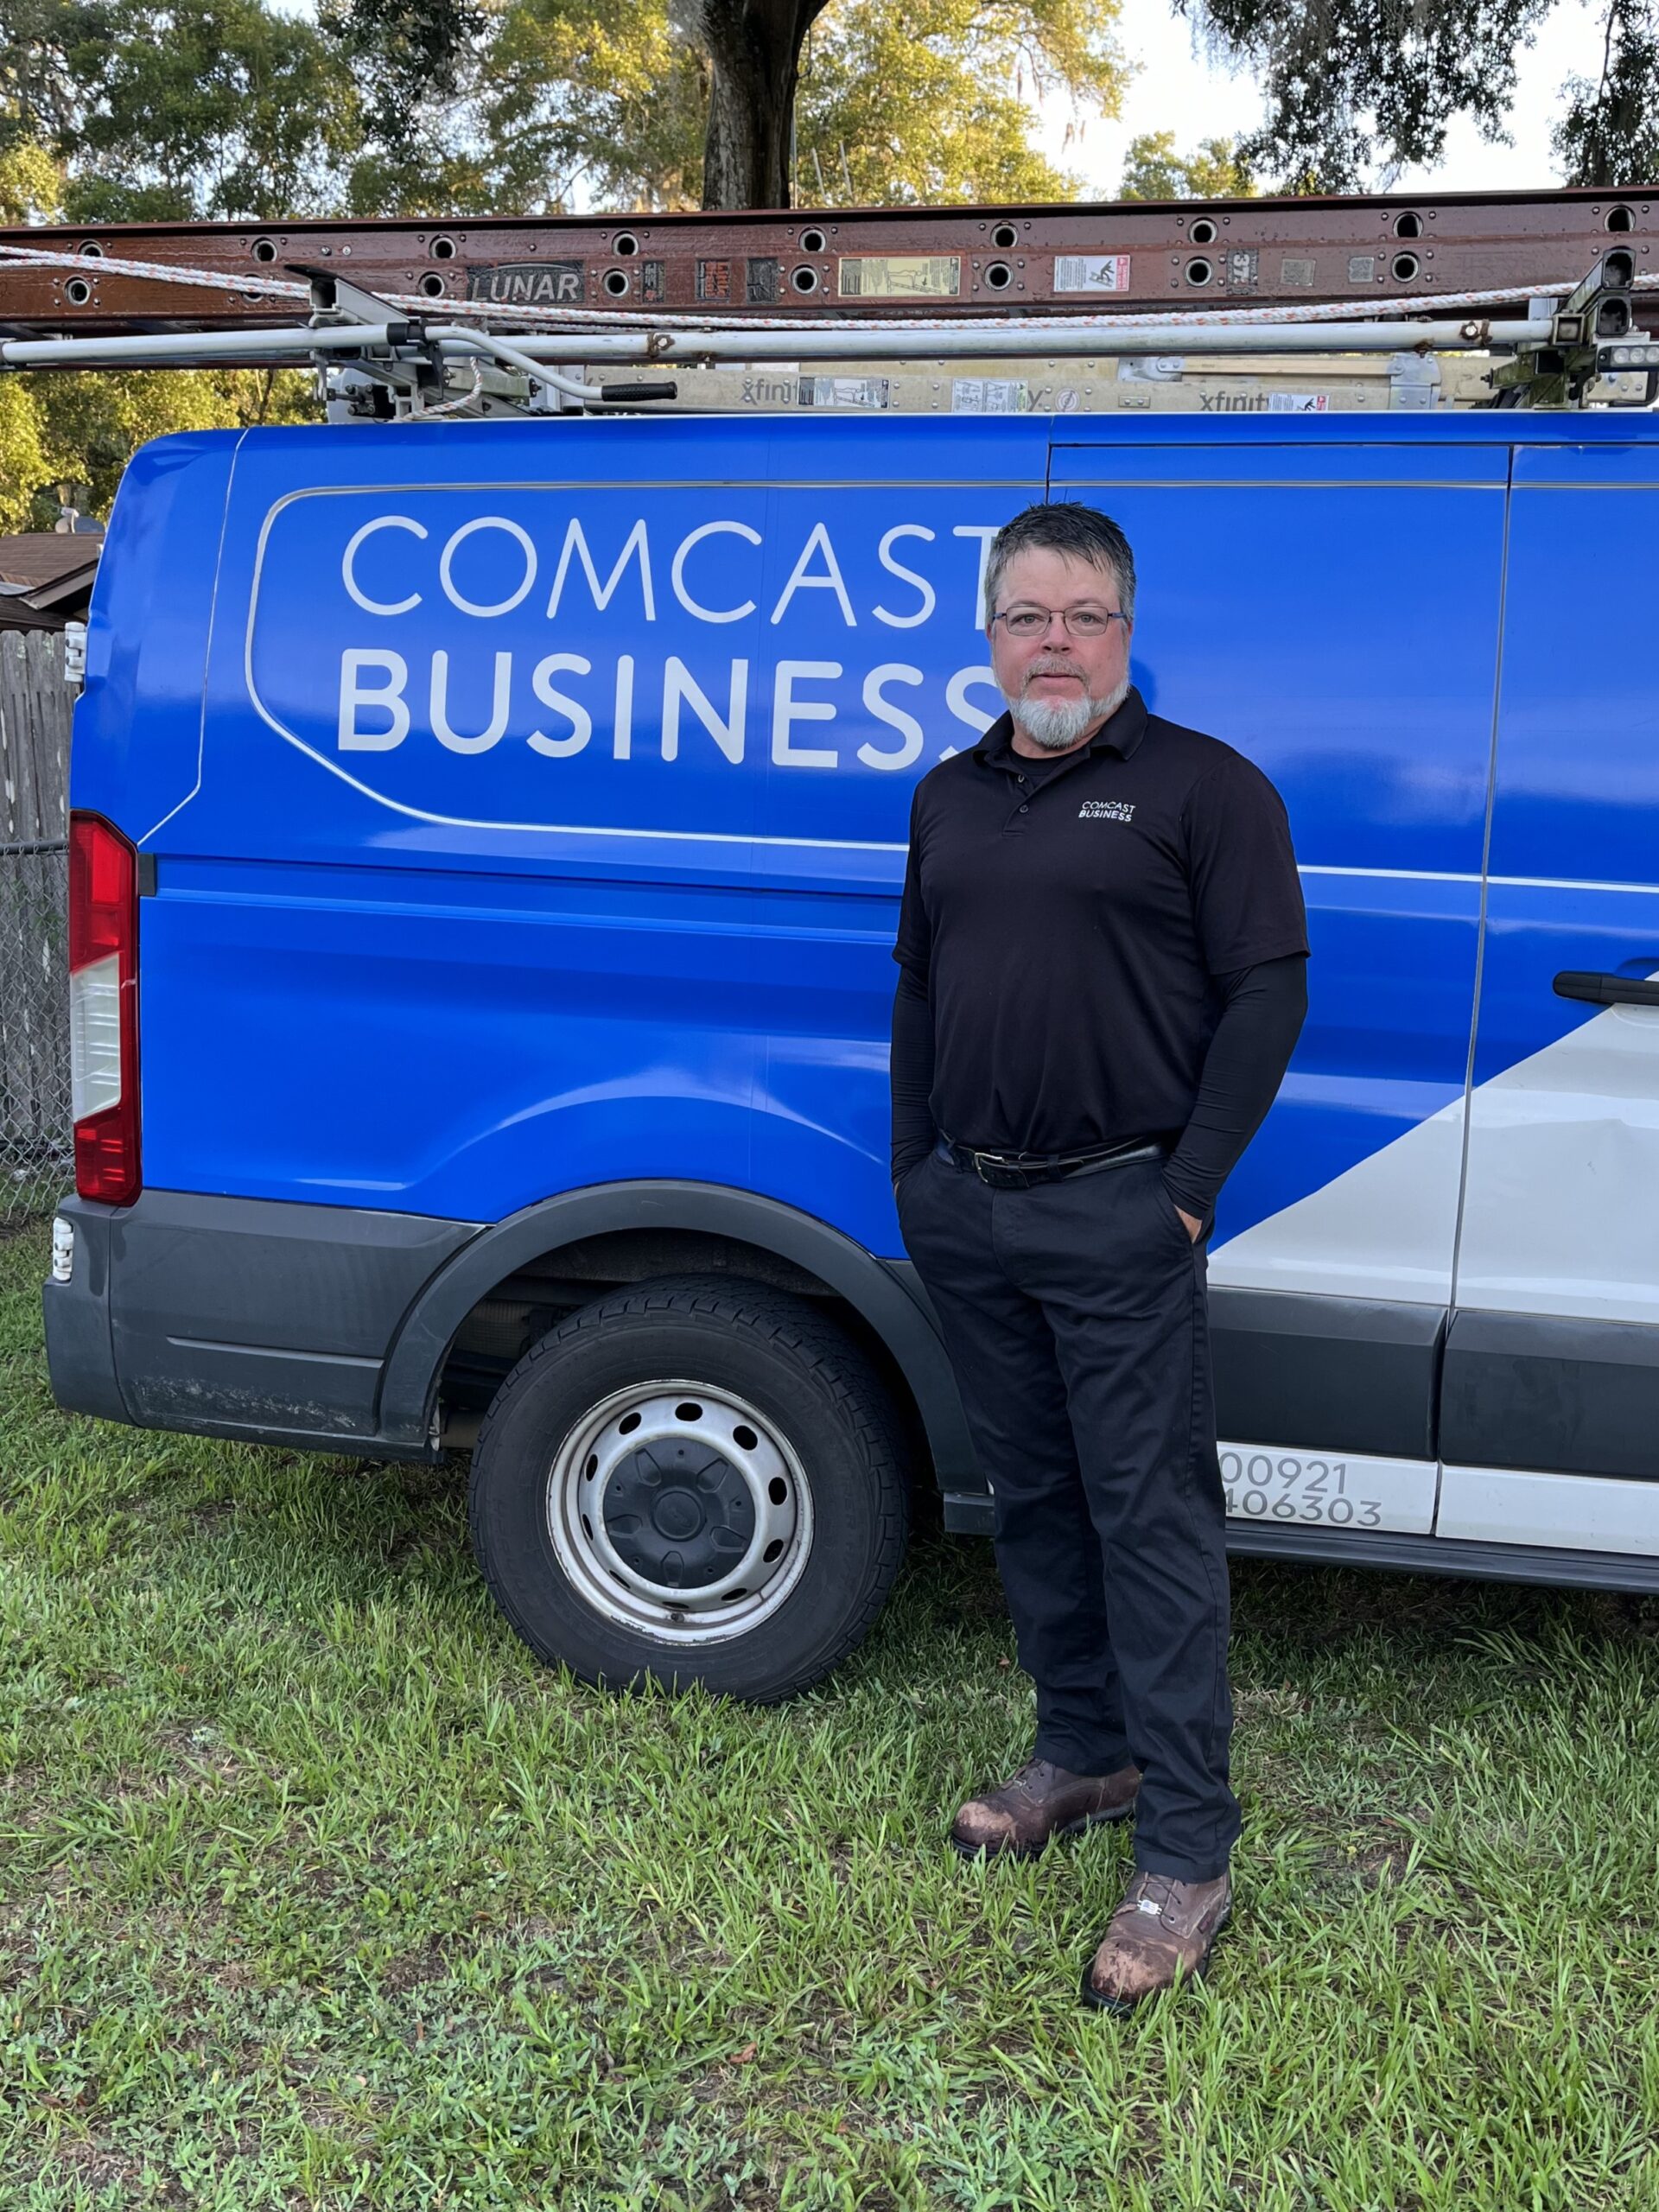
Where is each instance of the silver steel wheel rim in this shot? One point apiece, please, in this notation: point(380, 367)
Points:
point(600, 1452)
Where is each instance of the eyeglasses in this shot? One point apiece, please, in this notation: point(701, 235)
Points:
point(1080, 621)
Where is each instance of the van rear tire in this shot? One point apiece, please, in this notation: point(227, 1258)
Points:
point(692, 1482)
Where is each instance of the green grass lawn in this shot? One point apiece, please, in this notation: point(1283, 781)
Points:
point(315, 1890)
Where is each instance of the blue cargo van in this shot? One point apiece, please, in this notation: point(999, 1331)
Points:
point(486, 854)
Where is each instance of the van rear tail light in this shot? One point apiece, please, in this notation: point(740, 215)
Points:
point(104, 1009)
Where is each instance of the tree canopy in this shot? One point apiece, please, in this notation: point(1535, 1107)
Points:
point(1358, 89)
point(534, 102)
point(1153, 170)
point(227, 108)
point(83, 428)
point(1610, 131)
point(207, 108)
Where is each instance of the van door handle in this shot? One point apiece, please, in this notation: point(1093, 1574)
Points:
point(1607, 990)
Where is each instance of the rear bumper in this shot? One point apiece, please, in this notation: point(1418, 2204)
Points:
point(78, 1353)
point(241, 1317)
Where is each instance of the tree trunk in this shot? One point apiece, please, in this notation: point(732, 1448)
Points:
point(754, 49)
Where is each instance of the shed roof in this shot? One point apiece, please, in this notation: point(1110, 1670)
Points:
point(46, 577)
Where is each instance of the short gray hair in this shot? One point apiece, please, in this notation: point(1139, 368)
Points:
point(1063, 527)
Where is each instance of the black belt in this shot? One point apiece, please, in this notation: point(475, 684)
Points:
point(1018, 1170)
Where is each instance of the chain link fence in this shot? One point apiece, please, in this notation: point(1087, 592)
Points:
point(36, 1152)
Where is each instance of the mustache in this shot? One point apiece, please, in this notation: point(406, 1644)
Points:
point(1051, 665)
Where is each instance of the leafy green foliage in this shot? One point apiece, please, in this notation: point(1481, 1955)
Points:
point(85, 427)
point(929, 104)
point(1610, 134)
point(595, 94)
point(518, 106)
point(532, 102)
point(26, 459)
point(1353, 84)
point(1152, 169)
point(194, 108)
point(407, 56)
point(31, 182)
point(1357, 89)
point(164, 108)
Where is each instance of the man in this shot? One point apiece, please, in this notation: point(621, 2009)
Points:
point(1103, 954)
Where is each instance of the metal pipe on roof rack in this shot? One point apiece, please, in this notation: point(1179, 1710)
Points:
point(184, 348)
point(486, 344)
point(1069, 340)
point(536, 356)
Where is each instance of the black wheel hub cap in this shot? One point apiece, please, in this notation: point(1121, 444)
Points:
point(679, 1513)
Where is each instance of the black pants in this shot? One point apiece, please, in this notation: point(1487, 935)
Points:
point(1075, 1317)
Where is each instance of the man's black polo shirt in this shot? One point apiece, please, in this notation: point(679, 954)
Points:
point(1068, 927)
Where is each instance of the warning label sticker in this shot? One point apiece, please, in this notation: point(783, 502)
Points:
point(1091, 272)
point(989, 395)
point(844, 391)
point(901, 276)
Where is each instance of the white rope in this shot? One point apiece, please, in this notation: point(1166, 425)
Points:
point(285, 287)
point(556, 321)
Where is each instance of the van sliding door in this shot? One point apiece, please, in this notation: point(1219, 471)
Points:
point(1332, 611)
point(1551, 1408)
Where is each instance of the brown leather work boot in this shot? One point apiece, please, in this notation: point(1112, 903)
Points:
point(1042, 1800)
point(1164, 1931)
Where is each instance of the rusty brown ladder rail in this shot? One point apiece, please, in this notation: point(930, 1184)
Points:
point(1098, 260)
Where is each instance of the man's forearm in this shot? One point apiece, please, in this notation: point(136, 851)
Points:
point(912, 1066)
point(1242, 1070)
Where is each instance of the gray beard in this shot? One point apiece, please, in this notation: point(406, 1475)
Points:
point(1056, 724)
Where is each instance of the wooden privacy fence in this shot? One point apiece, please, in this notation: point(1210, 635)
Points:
point(35, 706)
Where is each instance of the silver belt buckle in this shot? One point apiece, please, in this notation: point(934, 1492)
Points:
point(1000, 1175)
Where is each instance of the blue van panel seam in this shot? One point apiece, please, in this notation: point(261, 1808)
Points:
point(207, 656)
point(1480, 964)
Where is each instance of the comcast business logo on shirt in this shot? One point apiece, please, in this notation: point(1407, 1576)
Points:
point(1106, 810)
